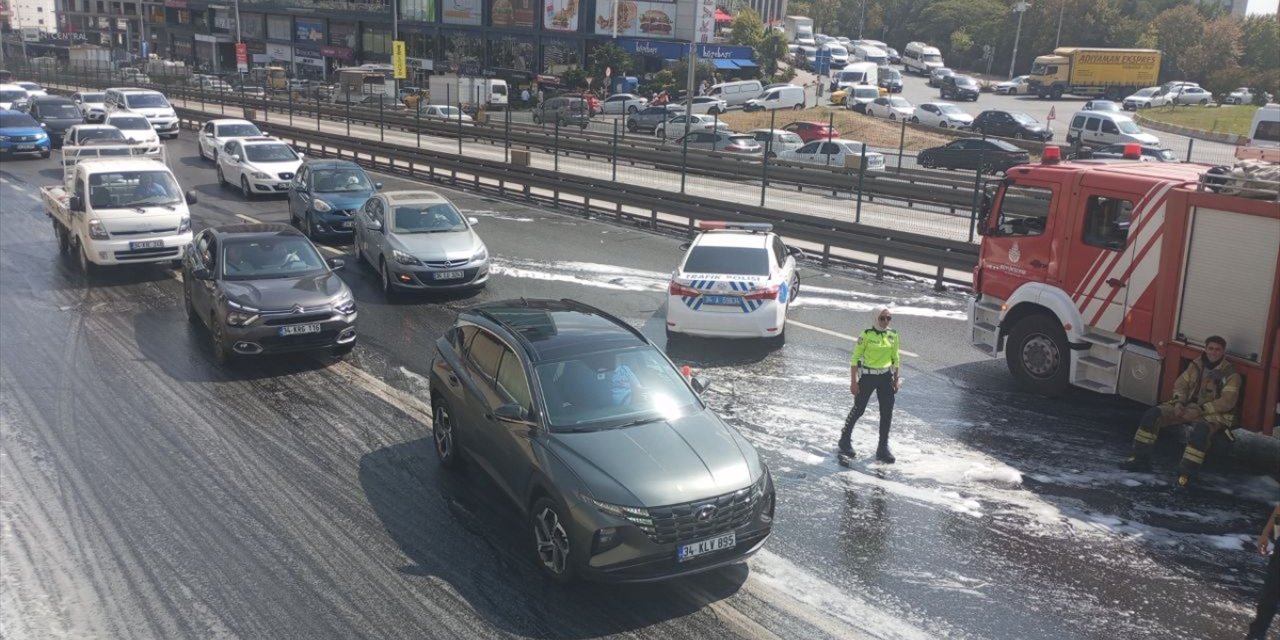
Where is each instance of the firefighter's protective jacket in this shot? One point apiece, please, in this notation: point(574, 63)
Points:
point(1211, 393)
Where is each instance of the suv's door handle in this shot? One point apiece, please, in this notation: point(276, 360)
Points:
point(1115, 282)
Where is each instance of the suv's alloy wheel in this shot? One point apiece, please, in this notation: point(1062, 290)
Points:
point(442, 431)
point(551, 541)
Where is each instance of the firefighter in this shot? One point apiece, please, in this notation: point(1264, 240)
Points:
point(1204, 397)
point(873, 368)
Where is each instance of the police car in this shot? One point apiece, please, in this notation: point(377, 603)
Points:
point(736, 281)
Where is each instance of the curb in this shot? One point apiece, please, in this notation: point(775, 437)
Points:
point(1199, 134)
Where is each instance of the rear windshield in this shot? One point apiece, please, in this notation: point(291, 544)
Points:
point(270, 153)
point(12, 95)
point(91, 97)
point(238, 131)
point(16, 120)
point(742, 261)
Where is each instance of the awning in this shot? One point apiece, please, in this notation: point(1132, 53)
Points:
point(744, 64)
point(721, 16)
point(724, 64)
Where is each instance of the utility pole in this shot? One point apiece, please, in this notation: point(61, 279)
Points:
point(1062, 6)
point(862, 21)
point(1020, 8)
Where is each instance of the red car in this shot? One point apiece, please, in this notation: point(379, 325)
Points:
point(810, 131)
point(593, 103)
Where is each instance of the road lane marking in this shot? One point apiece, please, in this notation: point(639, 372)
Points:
point(248, 218)
point(837, 334)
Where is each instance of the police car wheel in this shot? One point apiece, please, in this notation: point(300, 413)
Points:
point(1038, 355)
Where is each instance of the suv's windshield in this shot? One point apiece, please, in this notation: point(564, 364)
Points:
point(274, 257)
point(742, 261)
point(146, 101)
point(133, 189)
point(60, 111)
point(612, 389)
point(238, 131)
point(91, 97)
point(269, 153)
point(438, 217)
point(335, 180)
point(130, 123)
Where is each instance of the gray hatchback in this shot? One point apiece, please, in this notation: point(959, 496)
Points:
point(618, 469)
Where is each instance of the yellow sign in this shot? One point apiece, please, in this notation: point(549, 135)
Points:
point(397, 59)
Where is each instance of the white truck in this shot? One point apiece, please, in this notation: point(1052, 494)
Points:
point(490, 93)
point(799, 30)
point(114, 207)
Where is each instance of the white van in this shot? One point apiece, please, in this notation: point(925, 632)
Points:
point(839, 55)
point(736, 93)
point(1264, 136)
point(1101, 128)
point(788, 97)
point(149, 104)
point(868, 53)
point(921, 58)
point(858, 73)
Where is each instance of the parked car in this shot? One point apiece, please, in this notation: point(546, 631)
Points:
point(675, 127)
point(775, 141)
point(624, 103)
point(943, 115)
point(260, 166)
point(708, 105)
point(20, 133)
point(787, 96)
point(264, 289)
point(617, 468)
point(955, 87)
point(1097, 129)
point(563, 111)
point(1145, 98)
point(894, 56)
point(1013, 87)
point(1101, 105)
point(1010, 124)
point(889, 79)
point(834, 153)
point(215, 134)
point(55, 115)
point(937, 74)
point(1191, 95)
point(993, 156)
point(326, 194)
point(1148, 153)
point(719, 141)
point(810, 131)
point(418, 241)
point(893, 108)
point(91, 105)
point(859, 96)
point(649, 118)
point(444, 113)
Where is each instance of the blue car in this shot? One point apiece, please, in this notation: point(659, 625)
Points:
point(325, 195)
point(20, 133)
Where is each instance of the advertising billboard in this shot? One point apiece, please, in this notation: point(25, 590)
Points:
point(308, 31)
point(462, 12)
point(560, 15)
point(636, 19)
point(511, 13)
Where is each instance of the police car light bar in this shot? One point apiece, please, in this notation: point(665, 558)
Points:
point(737, 226)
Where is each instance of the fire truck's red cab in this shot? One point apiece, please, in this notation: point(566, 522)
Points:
point(1109, 275)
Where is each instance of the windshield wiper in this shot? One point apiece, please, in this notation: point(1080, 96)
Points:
point(637, 422)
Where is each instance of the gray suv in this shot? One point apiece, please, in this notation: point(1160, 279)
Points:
point(618, 469)
point(564, 111)
point(648, 118)
point(263, 288)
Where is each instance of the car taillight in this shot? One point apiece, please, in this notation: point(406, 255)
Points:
point(677, 289)
point(767, 293)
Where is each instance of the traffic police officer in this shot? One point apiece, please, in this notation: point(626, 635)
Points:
point(873, 368)
point(1205, 397)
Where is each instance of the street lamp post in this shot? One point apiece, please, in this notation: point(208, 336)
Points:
point(1062, 7)
point(1020, 8)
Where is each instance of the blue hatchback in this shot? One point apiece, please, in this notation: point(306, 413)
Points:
point(325, 195)
point(20, 133)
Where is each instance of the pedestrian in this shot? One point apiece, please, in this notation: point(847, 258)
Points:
point(874, 369)
point(524, 97)
point(1204, 396)
point(540, 95)
point(1270, 600)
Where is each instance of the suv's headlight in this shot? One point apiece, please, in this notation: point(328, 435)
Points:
point(635, 515)
point(404, 258)
point(321, 205)
point(240, 315)
point(757, 490)
point(97, 231)
point(346, 306)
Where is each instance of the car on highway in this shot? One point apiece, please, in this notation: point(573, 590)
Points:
point(135, 127)
point(810, 131)
point(444, 113)
point(12, 96)
point(775, 141)
point(894, 56)
point(1010, 124)
point(991, 155)
point(264, 289)
point(719, 141)
point(617, 469)
point(86, 134)
point(91, 105)
point(1146, 98)
point(215, 134)
point(419, 241)
point(708, 105)
point(1102, 105)
point(20, 133)
point(55, 115)
point(1145, 152)
point(623, 103)
point(859, 96)
point(649, 118)
point(957, 87)
point(834, 153)
point(1013, 87)
point(563, 111)
point(893, 108)
point(889, 79)
point(260, 166)
point(943, 115)
point(152, 105)
point(254, 92)
point(675, 126)
point(1191, 95)
point(736, 280)
point(938, 74)
point(33, 89)
point(379, 101)
point(326, 194)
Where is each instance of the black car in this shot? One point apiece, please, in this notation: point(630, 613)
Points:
point(890, 78)
point(960, 88)
point(1149, 153)
point(993, 156)
point(264, 288)
point(55, 115)
point(1010, 124)
point(617, 468)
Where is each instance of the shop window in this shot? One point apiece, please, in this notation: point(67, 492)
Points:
point(376, 40)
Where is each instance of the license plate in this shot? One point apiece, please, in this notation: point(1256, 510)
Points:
point(299, 329)
point(730, 301)
point(26, 147)
point(710, 545)
point(146, 244)
point(346, 224)
point(448, 275)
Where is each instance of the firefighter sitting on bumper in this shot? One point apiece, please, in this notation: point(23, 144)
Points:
point(1204, 397)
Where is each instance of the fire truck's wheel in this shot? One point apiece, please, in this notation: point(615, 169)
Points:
point(1038, 355)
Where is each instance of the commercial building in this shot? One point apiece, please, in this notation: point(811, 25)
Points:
point(29, 14)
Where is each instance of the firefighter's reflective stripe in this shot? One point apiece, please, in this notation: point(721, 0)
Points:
point(1144, 436)
point(1192, 454)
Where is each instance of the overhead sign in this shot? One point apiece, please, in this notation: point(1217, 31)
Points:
point(242, 57)
point(398, 62)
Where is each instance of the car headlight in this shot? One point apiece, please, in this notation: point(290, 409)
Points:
point(346, 306)
point(635, 515)
point(482, 254)
point(404, 258)
point(240, 315)
point(757, 490)
point(258, 175)
point(184, 225)
point(321, 205)
point(97, 231)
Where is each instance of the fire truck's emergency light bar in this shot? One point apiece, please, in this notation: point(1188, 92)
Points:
point(721, 225)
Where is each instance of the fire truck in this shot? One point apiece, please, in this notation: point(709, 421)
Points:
point(1109, 275)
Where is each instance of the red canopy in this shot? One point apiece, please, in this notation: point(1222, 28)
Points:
point(721, 16)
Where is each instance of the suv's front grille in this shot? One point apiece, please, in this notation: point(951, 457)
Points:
point(681, 522)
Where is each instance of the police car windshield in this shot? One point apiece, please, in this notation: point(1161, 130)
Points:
point(612, 389)
point(739, 261)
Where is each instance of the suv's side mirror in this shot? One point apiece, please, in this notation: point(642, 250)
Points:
point(373, 225)
point(336, 263)
point(76, 203)
point(377, 186)
point(796, 252)
point(511, 413)
point(191, 196)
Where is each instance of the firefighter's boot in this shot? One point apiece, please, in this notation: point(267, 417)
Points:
point(884, 455)
point(1144, 441)
point(1193, 455)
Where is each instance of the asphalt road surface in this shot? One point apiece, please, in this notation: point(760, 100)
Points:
point(145, 493)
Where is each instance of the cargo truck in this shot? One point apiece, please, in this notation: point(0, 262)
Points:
point(490, 93)
point(1081, 71)
point(799, 30)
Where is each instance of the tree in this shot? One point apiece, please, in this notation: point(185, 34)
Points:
point(961, 41)
point(771, 50)
point(610, 56)
point(1260, 37)
point(1176, 32)
point(574, 78)
point(748, 28)
point(680, 72)
point(1217, 50)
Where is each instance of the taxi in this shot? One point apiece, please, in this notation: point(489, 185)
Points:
point(736, 281)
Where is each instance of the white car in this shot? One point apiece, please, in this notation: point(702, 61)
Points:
point(623, 103)
point(834, 153)
point(1243, 95)
point(1013, 87)
point(12, 95)
point(89, 135)
point(943, 115)
point(1145, 98)
point(258, 165)
point(444, 112)
point(775, 141)
point(91, 105)
point(215, 134)
point(1191, 95)
point(891, 107)
point(708, 105)
point(697, 122)
point(135, 127)
point(736, 280)
point(32, 89)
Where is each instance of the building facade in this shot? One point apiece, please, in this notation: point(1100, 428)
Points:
point(30, 14)
point(127, 27)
